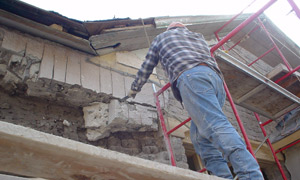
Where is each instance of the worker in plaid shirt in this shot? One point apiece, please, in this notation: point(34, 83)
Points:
point(197, 82)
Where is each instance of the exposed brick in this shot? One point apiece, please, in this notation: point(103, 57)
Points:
point(150, 149)
point(113, 141)
point(130, 143)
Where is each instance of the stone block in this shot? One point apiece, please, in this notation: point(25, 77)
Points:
point(118, 113)
point(95, 115)
point(90, 75)
point(34, 49)
point(113, 141)
point(131, 151)
point(183, 165)
point(148, 142)
point(96, 134)
point(73, 68)
point(146, 95)
point(47, 65)
point(129, 59)
point(147, 156)
point(164, 155)
point(118, 85)
point(14, 42)
point(150, 149)
point(105, 81)
point(143, 117)
point(60, 63)
point(127, 83)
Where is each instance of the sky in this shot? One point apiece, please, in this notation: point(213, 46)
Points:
point(89, 10)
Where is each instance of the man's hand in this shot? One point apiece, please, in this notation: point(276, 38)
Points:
point(132, 93)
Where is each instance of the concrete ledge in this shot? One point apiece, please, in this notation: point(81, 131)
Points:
point(32, 153)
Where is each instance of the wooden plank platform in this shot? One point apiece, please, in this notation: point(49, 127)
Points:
point(291, 83)
point(253, 90)
point(28, 152)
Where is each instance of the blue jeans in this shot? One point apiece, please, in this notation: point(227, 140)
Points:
point(213, 137)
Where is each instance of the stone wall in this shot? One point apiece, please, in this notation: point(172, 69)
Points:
point(58, 90)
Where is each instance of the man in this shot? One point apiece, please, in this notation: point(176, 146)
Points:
point(197, 82)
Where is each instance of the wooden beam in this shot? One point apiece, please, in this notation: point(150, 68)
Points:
point(28, 152)
point(285, 110)
point(45, 32)
point(264, 154)
point(288, 82)
point(251, 93)
point(287, 140)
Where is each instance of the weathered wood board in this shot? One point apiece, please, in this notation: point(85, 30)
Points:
point(28, 152)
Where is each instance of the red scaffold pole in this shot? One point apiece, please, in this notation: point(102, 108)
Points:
point(270, 145)
point(275, 45)
point(241, 26)
point(179, 125)
point(163, 125)
point(288, 146)
point(295, 8)
point(287, 75)
point(262, 56)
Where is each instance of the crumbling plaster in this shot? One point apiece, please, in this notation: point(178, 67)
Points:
point(53, 90)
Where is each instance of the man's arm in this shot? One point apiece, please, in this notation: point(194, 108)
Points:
point(146, 69)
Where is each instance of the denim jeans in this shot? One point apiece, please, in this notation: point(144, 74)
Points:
point(213, 136)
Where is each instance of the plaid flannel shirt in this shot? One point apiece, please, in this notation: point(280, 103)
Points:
point(178, 50)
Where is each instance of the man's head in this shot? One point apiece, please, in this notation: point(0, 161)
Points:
point(174, 25)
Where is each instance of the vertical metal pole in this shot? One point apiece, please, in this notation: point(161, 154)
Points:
point(163, 126)
point(271, 147)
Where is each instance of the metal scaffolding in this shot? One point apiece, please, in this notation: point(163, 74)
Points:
point(214, 51)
